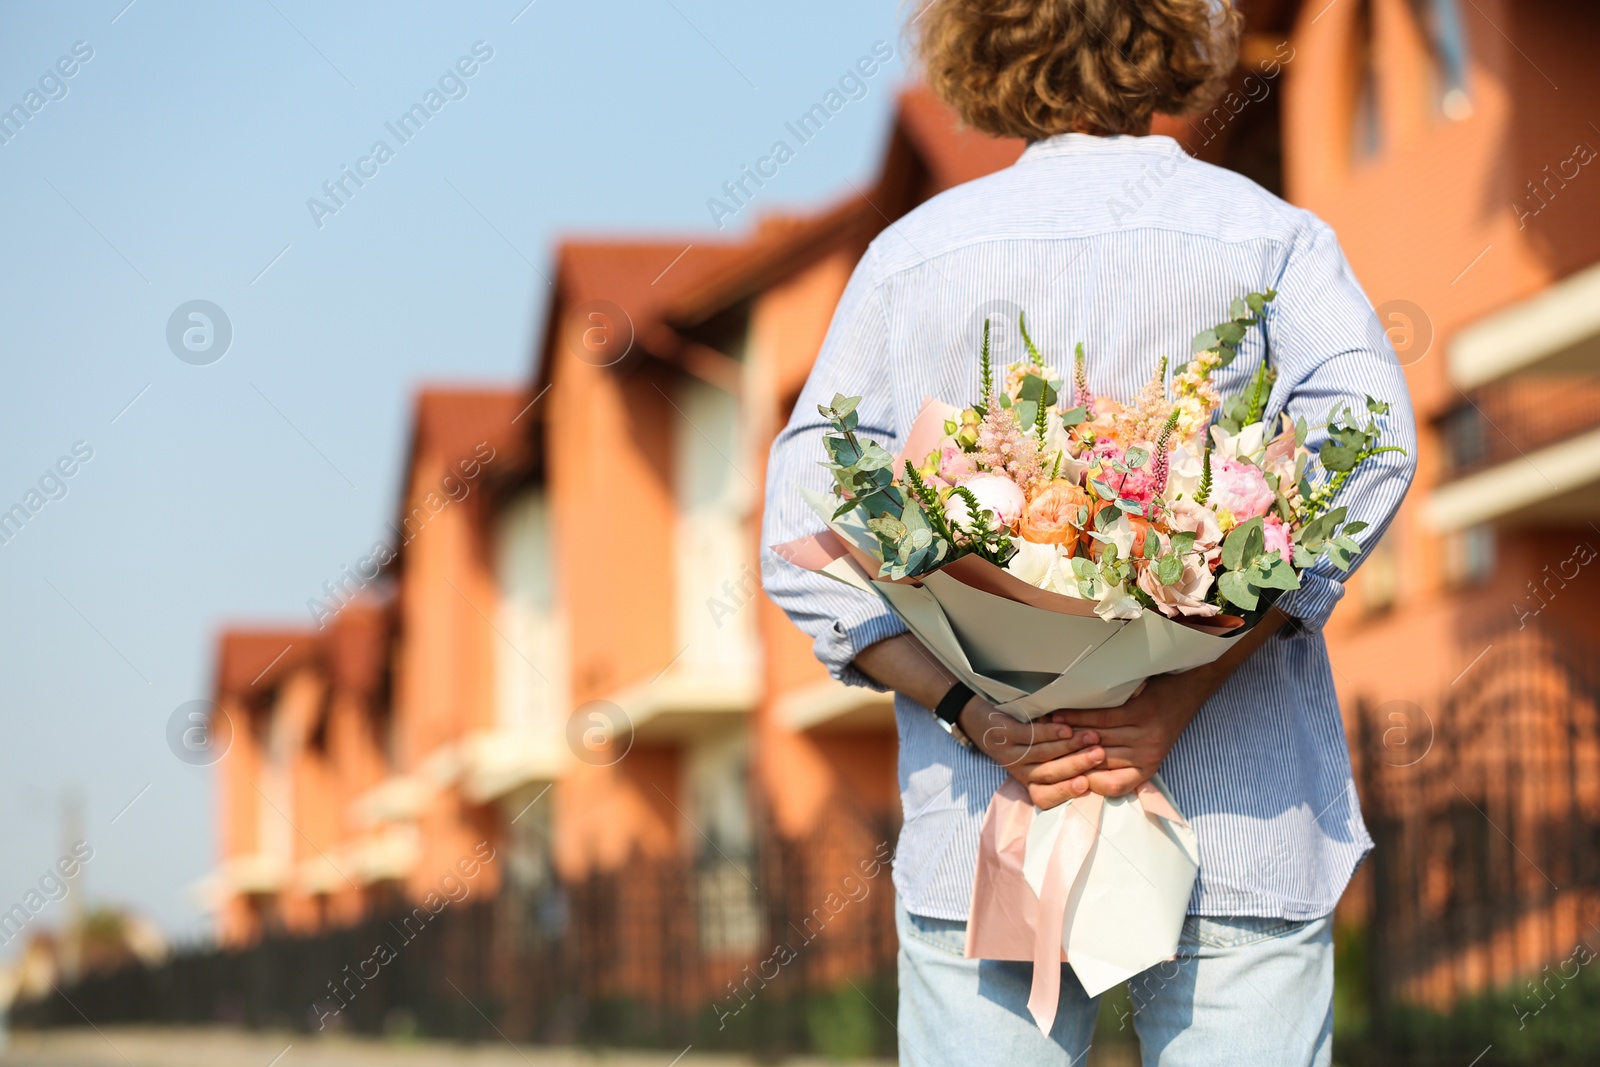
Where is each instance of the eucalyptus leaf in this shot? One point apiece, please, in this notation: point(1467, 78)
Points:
point(1277, 575)
point(888, 527)
point(1337, 458)
point(876, 457)
point(1237, 546)
point(1237, 589)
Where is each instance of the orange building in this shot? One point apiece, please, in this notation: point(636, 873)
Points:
point(567, 655)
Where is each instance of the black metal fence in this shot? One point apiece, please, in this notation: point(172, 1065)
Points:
point(1482, 902)
point(795, 954)
point(1473, 936)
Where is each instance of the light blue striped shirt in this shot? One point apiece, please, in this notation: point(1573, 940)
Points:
point(1132, 247)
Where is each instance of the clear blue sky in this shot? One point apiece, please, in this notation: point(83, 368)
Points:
point(176, 167)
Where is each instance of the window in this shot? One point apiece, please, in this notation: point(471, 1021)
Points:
point(717, 579)
point(1469, 555)
point(1441, 20)
point(1465, 437)
point(717, 774)
point(1366, 135)
point(1380, 574)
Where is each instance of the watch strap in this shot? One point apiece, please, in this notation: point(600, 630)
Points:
point(954, 699)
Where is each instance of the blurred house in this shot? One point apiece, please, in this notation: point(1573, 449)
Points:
point(567, 654)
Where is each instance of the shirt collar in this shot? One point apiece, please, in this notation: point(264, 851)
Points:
point(1072, 143)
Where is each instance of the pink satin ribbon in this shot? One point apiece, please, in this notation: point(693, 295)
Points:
point(1008, 922)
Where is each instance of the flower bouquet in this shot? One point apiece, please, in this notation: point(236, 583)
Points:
point(1056, 556)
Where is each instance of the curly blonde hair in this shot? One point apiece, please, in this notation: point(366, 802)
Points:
point(1036, 68)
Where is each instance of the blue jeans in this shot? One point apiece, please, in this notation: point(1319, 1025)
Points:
point(1245, 992)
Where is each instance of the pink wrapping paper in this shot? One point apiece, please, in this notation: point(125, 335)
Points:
point(1008, 922)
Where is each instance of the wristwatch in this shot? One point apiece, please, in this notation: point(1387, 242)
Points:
point(948, 711)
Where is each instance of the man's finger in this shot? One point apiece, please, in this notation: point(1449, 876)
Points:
point(1116, 783)
point(1020, 754)
point(1046, 797)
point(1003, 729)
point(1065, 767)
point(1122, 736)
point(1097, 717)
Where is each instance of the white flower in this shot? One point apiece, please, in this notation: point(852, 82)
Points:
point(1034, 563)
point(1118, 532)
point(1045, 567)
point(995, 493)
point(1183, 474)
point(1117, 603)
point(1244, 445)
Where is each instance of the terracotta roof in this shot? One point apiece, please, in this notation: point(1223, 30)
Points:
point(666, 284)
point(355, 647)
point(352, 650)
point(953, 153)
point(451, 422)
point(253, 658)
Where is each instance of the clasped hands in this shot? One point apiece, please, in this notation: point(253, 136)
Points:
point(1067, 754)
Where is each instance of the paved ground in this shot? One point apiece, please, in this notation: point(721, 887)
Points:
point(131, 1047)
point(230, 1048)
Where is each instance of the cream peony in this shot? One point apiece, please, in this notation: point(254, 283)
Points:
point(995, 493)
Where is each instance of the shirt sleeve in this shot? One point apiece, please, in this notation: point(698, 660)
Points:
point(1330, 350)
point(841, 621)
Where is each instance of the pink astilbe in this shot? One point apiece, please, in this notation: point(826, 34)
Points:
point(1082, 395)
point(1163, 457)
point(1005, 445)
point(1144, 419)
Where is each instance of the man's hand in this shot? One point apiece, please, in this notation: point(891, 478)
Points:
point(1050, 758)
point(1138, 735)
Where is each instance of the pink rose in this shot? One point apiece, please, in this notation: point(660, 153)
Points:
point(1278, 539)
point(994, 492)
point(1198, 519)
point(955, 466)
point(1239, 488)
point(1139, 484)
point(1187, 596)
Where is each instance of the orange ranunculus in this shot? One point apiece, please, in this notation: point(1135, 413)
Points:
point(1138, 523)
point(1051, 517)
